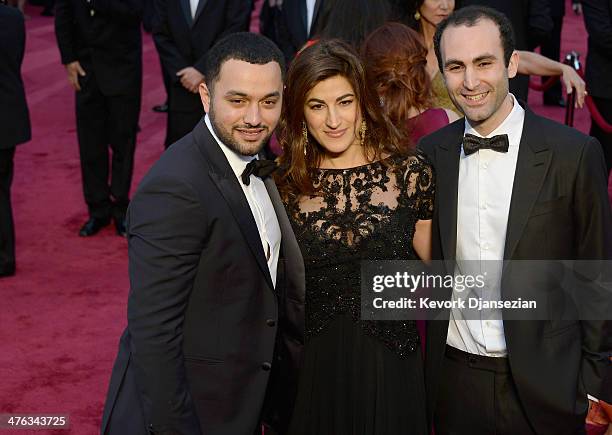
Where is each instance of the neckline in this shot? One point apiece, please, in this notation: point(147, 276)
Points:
point(355, 167)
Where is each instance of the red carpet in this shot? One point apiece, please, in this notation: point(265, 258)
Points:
point(63, 312)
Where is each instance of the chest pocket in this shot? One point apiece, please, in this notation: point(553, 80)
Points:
point(549, 206)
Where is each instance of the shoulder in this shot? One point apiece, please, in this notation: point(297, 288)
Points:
point(445, 136)
point(417, 163)
point(563, 139)
point(180, 164)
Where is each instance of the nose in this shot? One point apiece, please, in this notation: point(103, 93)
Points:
point(445, 4)
point(332, 120)
point(252, 115)
point(470, 79)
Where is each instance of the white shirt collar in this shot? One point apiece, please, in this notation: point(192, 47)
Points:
point(512, 125)
point(237, 161)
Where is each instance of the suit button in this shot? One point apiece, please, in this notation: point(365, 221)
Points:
point(270, 322)
point(266, 366)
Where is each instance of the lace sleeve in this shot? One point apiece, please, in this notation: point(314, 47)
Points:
point(420, 186)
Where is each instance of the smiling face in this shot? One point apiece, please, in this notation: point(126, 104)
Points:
point(476, 75)
point(434, 11)
point(245, 104)
point(332, 116)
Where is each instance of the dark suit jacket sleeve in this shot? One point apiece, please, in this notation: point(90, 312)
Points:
point(167, 232)
point(19, 40)
point(126, 10)
point(598, 22)
point(593, 240)
point(237, 19)
point(172, 60)
point(64, 30)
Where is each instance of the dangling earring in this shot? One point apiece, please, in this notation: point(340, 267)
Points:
point(305, 136)
point(417, 15)
point(362, 132)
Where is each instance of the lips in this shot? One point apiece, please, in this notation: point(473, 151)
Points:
point(251, 133)
point(335, 134)
point(475, 98)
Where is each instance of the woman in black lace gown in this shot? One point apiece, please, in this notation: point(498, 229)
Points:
point(351, 195)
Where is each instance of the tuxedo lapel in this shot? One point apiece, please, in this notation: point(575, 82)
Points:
point(447, 176)
point(198, 12)
point(222, 175)
point(533, 162)
point(295, 16)
point(315, 15)
point(186, 7)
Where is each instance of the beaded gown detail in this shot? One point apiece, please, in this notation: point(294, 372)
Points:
point(359, 377)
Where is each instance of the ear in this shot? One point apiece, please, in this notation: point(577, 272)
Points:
point(205, 96)
point(513, 64)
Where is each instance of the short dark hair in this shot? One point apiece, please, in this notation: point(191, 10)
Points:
point(470, 16)
point(244, 46)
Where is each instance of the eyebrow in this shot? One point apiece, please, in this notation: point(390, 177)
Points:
point(340, 98)
point(242, 94)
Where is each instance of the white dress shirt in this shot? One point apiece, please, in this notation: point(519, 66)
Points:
point(193, 4)
point(483, 202)
point(310, 7)
point(259, 202)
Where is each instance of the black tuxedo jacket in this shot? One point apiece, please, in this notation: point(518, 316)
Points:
point(183, 41)
point(205, 324)
point(105, 37)
point(14, 115)
point(559, 211)
point(598, 21)
point(286, 25)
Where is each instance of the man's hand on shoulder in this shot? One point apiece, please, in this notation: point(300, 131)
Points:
point(190, 78)
point(75, 70)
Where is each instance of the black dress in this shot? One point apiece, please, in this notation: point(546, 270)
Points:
point(359, 377)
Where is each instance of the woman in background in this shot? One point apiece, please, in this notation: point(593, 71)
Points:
point(353, 194)
point(396, 65)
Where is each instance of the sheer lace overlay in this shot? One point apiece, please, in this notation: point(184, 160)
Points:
point(363, 213)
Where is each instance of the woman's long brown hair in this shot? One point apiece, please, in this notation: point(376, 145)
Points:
point(323, 60)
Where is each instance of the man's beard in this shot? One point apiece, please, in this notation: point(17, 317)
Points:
point(227, 139)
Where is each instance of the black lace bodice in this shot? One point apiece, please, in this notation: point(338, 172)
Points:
point(363, 213)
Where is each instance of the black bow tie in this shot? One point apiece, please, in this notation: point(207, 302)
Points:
point(472, 143)
point(259, 168)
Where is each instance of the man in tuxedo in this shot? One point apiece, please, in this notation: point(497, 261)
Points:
point(215, 311)
point(289, 23)
point(14, 123)
point(184, 31)
point(101, 48)
point(511, 186)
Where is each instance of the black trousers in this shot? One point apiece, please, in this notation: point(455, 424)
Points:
point(185, 111)
point(180, 123)
point(104, 121)
point(7, 230)
point(551, 48)
point(477, 396)
point(604, 105)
